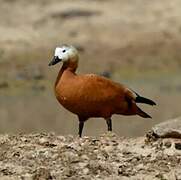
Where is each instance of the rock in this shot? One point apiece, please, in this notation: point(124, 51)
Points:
point(84, 157)
point(85, 171)
point(178, 145)
point(109, 149)
point(168, 144)
point(70, 157)
point(178, 174)
point(27, 176)
point(168, 129)
point(82, 165)
point(140, 167)
point(43, 141)
point(42, 174)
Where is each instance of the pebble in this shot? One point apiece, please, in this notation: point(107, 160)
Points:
point(85, 171)
point(178, 145)
point(167, 144)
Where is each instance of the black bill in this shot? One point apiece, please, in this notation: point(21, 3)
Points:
point(54, 61)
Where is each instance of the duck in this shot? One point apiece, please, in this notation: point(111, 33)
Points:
point(91, 95)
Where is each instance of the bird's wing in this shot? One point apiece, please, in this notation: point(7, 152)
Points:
point(98, 88)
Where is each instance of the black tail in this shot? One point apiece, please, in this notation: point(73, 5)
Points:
point(140, 99)
point(142, 113)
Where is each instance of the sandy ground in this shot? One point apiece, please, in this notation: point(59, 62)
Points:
point(48, 156)
point(136, 42)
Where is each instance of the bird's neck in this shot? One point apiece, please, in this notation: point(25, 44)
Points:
point(70, 66)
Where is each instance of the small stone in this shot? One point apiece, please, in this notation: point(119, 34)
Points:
point(85, 157)
point(71, 157)
point(82, 164)
point(24, 139)
point(167, 144)
point(43, 141)
point(126, 152)
point(85, 171)
point(140, 166)
point(108, 149)
point(27, 176)
point(178, 145)
point(42, 174)
point(178, 174)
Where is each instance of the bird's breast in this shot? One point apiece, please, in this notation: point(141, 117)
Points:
point(87, 97)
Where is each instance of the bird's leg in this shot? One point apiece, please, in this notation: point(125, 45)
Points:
point(109, 124)
point(81, 125)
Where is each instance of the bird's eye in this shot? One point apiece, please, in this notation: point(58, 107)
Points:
point(64, 51)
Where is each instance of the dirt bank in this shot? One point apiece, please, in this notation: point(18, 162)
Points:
point(50, 156)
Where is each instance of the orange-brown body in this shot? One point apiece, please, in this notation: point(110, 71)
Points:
point(91, 95)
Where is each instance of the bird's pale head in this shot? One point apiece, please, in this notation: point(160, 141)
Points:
point(64, 53)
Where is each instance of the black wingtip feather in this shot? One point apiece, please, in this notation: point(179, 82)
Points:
point(140, 99)
point(143, 114)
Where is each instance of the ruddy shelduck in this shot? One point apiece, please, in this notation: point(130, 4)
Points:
point(90, 95)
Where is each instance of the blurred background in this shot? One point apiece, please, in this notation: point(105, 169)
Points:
point(137, 43)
